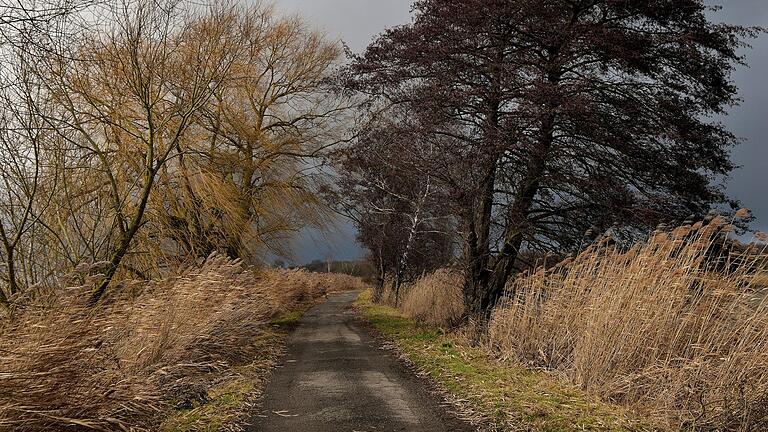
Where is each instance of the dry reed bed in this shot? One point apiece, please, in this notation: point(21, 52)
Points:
point(435, 299)
point(123, 364)
point(675, 328)
point(668, 328)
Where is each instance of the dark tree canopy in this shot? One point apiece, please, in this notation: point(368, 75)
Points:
point(395, 203)
point(555, 116)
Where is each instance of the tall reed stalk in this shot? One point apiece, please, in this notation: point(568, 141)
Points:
point(676, 328)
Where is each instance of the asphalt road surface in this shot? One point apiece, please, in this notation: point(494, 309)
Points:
point(335, 378)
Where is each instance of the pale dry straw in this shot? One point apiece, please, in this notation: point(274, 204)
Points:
point(124, 364)
point(676, 328)
point(435, 298)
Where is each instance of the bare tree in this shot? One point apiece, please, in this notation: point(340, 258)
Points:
point(20, 162)
point(395, 203)
point(20, 18)
point(260, 140)
point(126, 101)
point(25, 184)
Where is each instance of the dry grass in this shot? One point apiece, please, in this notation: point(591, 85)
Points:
point(435, 299)
point(658, 328)
point(150, 348)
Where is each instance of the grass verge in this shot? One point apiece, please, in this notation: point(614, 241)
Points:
point(500, 396)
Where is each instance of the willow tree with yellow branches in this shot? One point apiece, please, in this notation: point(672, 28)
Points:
point(174, 130)
point(249, 168)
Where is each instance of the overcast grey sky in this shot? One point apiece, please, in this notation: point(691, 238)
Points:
point(356, 22)
point(750, 120)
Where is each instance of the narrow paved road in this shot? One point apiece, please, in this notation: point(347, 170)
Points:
point(335, 378)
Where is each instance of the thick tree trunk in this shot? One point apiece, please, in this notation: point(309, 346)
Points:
point(515, 231)
point(9, 246)
point(381, 275)
point(478, 246)
point(13, 284)
point(484, 286)
point(114, 265)
point(398, 281)
point(502, 270)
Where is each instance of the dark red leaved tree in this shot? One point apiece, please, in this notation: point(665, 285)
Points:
point(559, 115)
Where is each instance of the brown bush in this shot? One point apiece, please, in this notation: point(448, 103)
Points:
point(434, 299)
point(668, 328)
point(151, 346)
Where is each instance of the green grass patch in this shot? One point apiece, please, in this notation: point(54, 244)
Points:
point(289, 319)
point(224, 407)
point(507, 397)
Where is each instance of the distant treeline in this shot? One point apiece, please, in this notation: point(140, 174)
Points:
point(359, 268)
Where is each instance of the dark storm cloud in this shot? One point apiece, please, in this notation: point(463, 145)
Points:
point(356, 22)
point(750, 120)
